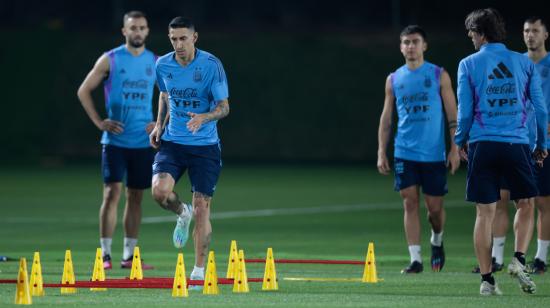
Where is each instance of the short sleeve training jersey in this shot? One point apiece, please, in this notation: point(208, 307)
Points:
point(197, 88)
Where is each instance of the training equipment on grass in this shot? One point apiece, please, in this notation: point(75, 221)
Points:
point(137, 272)
point(22, 292)
point(210, 286)
point(99, 272)
point(270, 275)
point(240, 284)
point(36, 283)
point(232, 262)
point(68, 274)
point(369, 274)
point(179, 287)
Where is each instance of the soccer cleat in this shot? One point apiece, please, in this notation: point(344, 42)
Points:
point(495, 267)
point(413, 268)
point(196, 287)
point(181, 232)
point(438, 258)
point(538, 267)
point(487, 289)
point(107, 264)
point(128, 264)
point(517, 270)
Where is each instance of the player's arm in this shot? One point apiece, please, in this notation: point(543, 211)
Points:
point(162, 118)
point(465, 115)
point(541, 114)
point(449, 103)
point(384, 129)
point(198, 119)
point(99, 72)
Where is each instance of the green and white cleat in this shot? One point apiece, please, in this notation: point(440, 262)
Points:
point(196, 287)
point(487, 289)
point(181, 232)
point(518, 271)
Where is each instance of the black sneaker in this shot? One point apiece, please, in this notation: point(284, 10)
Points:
point(495, 267)
point(537, 267)
point(438, 258)
point(413, 268)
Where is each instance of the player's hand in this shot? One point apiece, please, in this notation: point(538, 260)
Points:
point(197, 120)
point(464, 152)
point(453, 159)
point(383, 164)
point(154, 136)
point(150, 126)
point(539, 156)
point(111, 126)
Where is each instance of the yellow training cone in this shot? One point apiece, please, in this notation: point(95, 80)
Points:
point(270, 275)
point(232, 263)
point(68, 274)
point(211, 280)
point(36, 283)
point(369, 275)
point(179, 288)
point(99, 272)
point(137, 272)
point(22, 292)
point(240, 284)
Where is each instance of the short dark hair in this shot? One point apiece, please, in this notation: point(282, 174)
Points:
point(534, 19)
point(413, 29)
point(181, 22)
point(133, 14)
point(487, 22)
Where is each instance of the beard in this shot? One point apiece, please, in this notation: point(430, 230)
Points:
point(137, 43)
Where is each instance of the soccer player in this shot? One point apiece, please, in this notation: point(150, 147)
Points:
point(422, 93)
point(535, 34)
point(193, 87)
point(495, 88)
point(128, 77)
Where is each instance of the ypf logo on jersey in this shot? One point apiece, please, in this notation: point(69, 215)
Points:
point(501, 72)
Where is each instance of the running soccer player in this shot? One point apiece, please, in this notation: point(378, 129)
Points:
point(535, 34)
point(422, 92)
point(495, 88)
point(128, 77)
point(193, 87)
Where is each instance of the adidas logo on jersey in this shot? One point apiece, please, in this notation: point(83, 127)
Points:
point(501, 72)
point(122, 71)
point(169, 76)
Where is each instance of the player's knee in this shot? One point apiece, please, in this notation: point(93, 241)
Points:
point(160, 195)
point(200, 209)
point(111, 194)
point(410, 203)
point(525, 205)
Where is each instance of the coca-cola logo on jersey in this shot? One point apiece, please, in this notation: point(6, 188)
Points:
point(507, 88)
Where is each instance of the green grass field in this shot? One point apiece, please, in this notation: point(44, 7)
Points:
point(51, 210)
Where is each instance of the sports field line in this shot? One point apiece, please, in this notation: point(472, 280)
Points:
point(244, 213)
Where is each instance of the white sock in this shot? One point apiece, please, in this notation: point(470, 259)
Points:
point(198, 272)
point(436, 238)
point(129, 244)
point(414, 251)
point(542, 250)
point(106, 243)
point(498, 249)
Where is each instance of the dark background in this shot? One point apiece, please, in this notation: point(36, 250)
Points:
point(306, 77)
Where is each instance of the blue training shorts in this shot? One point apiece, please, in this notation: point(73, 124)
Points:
point(543, 177)
point(432, 176)
point(203, 162)
point(116, 162)
point(489, 163)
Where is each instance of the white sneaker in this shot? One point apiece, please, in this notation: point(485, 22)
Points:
point(181, 232)
point(487, 289)
point(195, 276)
point(517, 270)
